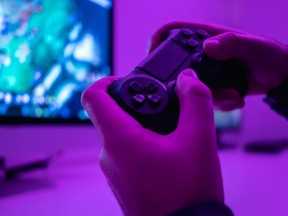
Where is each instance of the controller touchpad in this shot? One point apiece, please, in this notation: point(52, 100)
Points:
point(165, 62)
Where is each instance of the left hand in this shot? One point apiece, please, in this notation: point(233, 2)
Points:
point(266, 59)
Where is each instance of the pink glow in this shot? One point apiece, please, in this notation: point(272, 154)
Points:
point(253, 185)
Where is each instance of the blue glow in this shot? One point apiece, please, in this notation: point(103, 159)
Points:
point(2, 95)
point(8, 98)
point(46, 64)
point(86, 50)
point(65, 93)
point(103, 3)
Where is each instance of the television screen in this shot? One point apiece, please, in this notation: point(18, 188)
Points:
point(50, 51)
point(228, 120)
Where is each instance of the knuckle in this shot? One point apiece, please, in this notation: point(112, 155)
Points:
point(97, 89)
point(232, 35)
point(233, 38)
point(169, 25)
point(104, 163)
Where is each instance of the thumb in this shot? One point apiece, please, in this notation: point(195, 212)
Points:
point(196, 106)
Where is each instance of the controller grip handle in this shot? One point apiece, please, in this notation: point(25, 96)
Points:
point(223, 74)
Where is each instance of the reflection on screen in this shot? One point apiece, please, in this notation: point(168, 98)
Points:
point(49, 52)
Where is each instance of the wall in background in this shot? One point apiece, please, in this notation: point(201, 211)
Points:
point(268, 18)
point(135, 22)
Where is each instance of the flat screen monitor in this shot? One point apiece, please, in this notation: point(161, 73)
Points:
point(50, 51)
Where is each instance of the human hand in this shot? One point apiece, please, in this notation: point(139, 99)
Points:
point(153, 174)
point(265, 58)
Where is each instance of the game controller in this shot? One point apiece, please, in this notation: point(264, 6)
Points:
point(148, 93)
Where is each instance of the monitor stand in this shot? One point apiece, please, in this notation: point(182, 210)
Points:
point(10, 173)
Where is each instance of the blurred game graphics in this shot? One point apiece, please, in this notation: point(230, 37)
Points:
point(50, 51)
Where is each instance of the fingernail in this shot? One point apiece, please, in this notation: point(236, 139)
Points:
point(214, 44)
point(190, 72)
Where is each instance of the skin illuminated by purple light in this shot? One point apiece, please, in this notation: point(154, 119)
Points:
point(153, 174)
point(265, 58)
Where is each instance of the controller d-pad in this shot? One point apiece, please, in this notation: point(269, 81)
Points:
point(144, 95)
point(150, 88)
point(154, 99)
point(135, 88)
point(139, 100)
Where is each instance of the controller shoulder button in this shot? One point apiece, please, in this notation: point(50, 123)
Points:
point(139, 100)
point(150, 88)
point(135, 88)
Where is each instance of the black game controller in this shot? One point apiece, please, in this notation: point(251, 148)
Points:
point(148, 92)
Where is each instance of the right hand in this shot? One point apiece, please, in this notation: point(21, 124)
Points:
point(153, 174)
point(265, 58)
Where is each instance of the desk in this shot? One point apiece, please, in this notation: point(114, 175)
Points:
point(74, 185)
point(256, 184)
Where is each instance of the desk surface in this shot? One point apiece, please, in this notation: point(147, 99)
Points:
point(254, 184)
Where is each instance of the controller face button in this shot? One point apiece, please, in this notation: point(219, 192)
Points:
point(201, 33)
point(154, 99)
point(139, 100)
point(192, 43)
point(199, 59)
point(187, 33)
point(150, 88)
point(135, 88)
